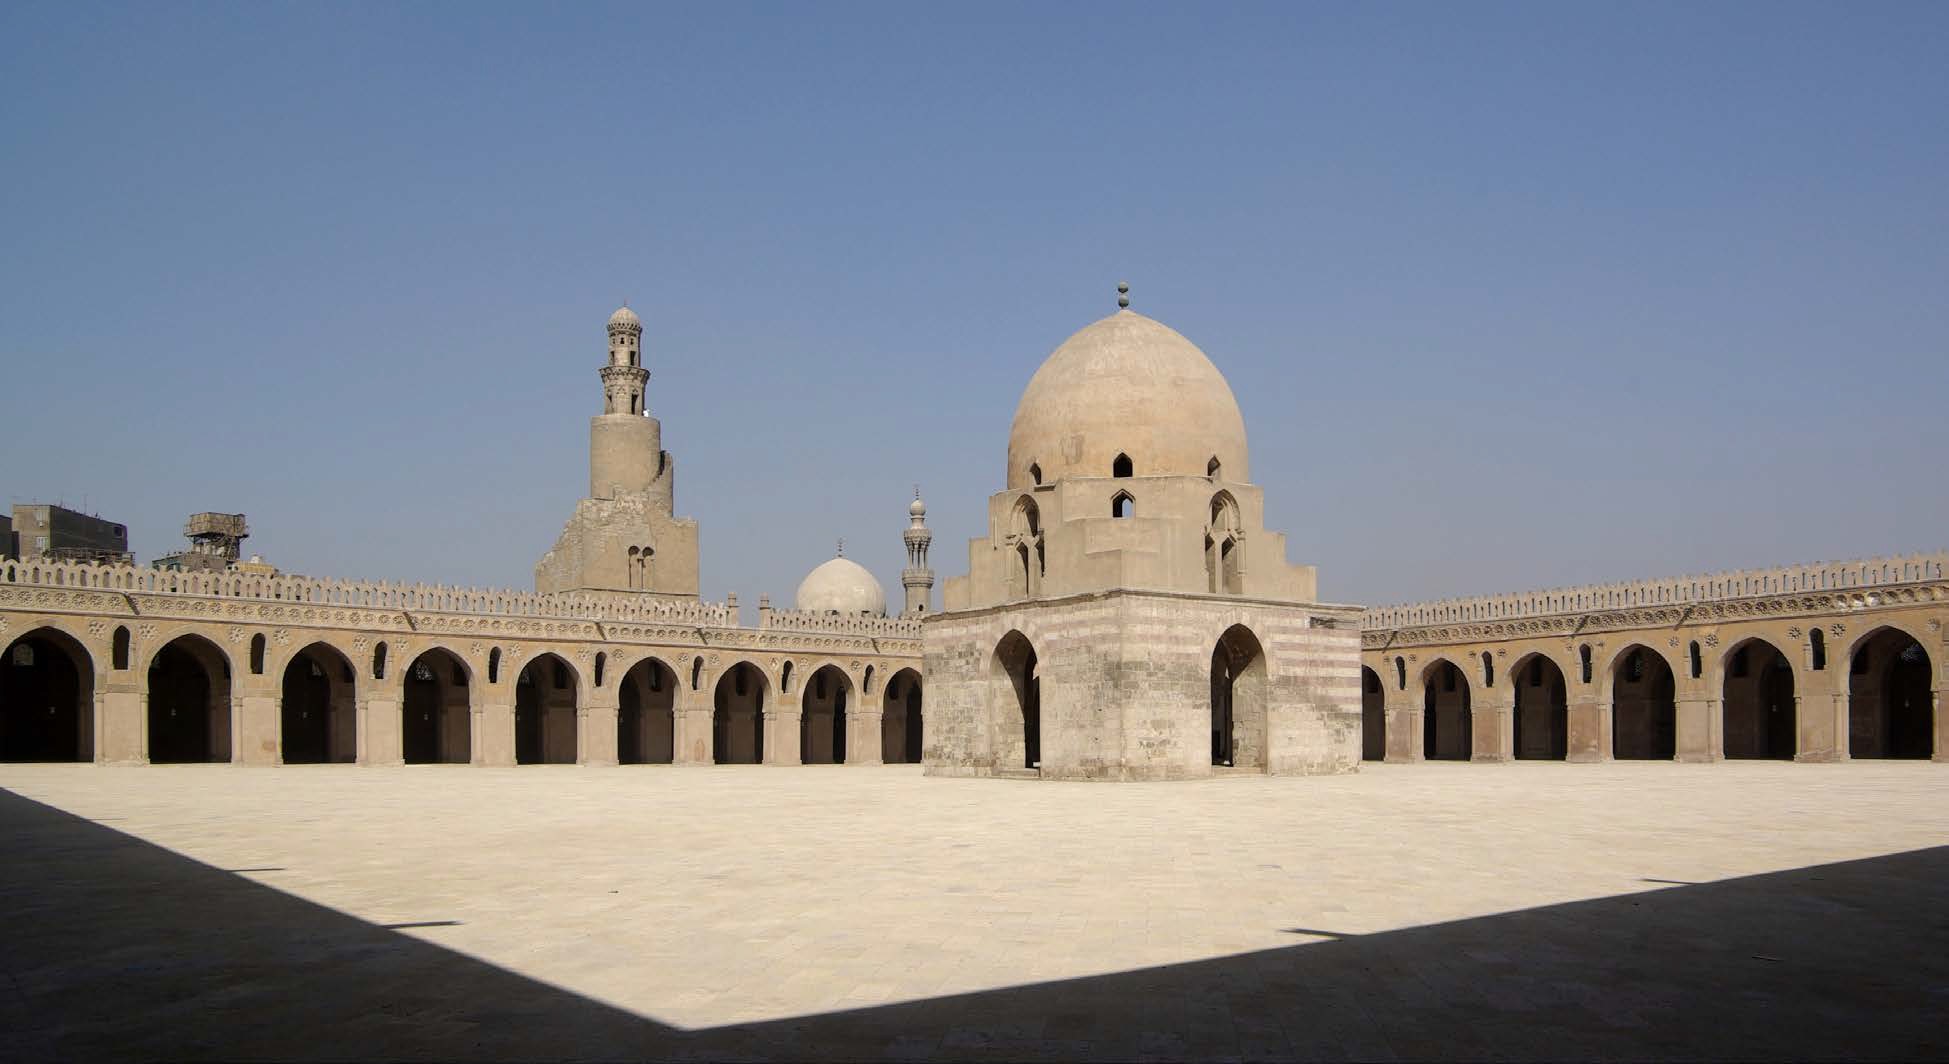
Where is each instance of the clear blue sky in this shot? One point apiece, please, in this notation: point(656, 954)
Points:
point(1511, 295)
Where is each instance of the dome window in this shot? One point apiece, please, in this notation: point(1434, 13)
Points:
point(1123, 505)
point(1212, 467)
point(1035, 474)
point(1121, 468)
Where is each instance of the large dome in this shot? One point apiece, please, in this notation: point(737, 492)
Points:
point(842, 586)
point(1132, 386)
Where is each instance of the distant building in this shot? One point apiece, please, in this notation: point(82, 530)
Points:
point(8, 548)
point(216, 542)
point(56, 533)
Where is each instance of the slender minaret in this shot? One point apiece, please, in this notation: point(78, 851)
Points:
point(917, 578)
point(625, 444)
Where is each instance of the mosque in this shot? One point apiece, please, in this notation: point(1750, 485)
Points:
point(1127, 616)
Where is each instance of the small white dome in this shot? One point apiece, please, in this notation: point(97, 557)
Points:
point(917, 508)
point(625, 316)
point(842, 586)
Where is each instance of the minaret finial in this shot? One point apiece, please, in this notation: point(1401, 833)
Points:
point(916, 491)
point(1123, 294)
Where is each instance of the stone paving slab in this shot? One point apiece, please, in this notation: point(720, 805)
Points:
point(1461, 911)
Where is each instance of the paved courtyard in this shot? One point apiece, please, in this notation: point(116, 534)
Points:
point(1547, 910)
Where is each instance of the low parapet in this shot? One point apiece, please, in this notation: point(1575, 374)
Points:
point(838, 624)
point(315, 591)
point(1680, 591)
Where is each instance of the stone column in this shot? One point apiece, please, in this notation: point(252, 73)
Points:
point(1820, 716)
point(1941, 724)
point(1404, 739)
point(595, 730)
point(864, 738)
point(122, 720)
point(690, 722)
point(381, 740)
point(1701, 731)
point(782, 734)
point(1494, 727)
point(1589, 725)
point(254, 736)
point(493, 725)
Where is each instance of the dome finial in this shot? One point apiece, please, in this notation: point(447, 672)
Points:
point(1123, 294)
point(842, 548)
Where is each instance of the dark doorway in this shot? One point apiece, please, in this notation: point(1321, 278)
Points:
point(1644, 707)
point(1238, 722)
point(1758, 703)
point(47, 700)
point(1891, 704)
point(545, 713)
point(900, 722)
point(317, 713)
point(1019, 734)
point(436, 711)
point(646, 715)
point(189, 702)
point(1373, 716)
point(1542, 711)
point(1447, 720)
point(822, 717)
point(738, 716)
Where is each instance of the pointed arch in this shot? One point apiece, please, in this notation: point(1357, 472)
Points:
point(436, 709)
point(1015, 692)
point(318, 707)
point(1238, 700)
point(189, 685)
point(546, 711)
point(646, 701)
point(1122, 505)
point(901, 723)
point(1542, 708)
point(1891, 697)
point(1758, 703)
point(1121, 467)
point(1644, 707)
point(1447, 712)
point(1373, 716)
point(47, 698)
point(738, 715)
point(823, 710)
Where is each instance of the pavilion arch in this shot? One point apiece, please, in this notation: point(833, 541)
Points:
point(1015, 699)
point(1644, 705)
point(900, 719)
point(1373, 716)
point(1238, 700)
point(1758, 701)
point(546, 700)
point(318, 707)
point(47, 698)
point(823, 708)
point(1541, 713)
point(1447, 716)
point(738, 715)
point(189, 685)
point(436, 708)
point(646, 720)
point(1890, 694)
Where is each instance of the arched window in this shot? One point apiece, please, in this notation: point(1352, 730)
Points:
point(257, 655)
point(866, 683)
point(1698, 664)
point(1121, 467)
point(696, 673)
point(1123, 505)
point(379, 662)
point(1035, 474)
point(1488, 669)
point(1401, 672)
point(494, 665)
point(121, 651)
point(1817, 649)
point(785, 678)
point(601, 660)
point(1583, 653)
point(1212, 468)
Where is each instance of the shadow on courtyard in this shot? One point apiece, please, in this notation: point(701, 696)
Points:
point(119, 949)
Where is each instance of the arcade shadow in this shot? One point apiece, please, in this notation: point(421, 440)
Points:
point(116, 949)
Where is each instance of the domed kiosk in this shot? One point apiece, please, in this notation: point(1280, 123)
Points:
point(844, 587)
point(1128, 616)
